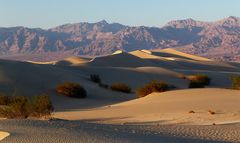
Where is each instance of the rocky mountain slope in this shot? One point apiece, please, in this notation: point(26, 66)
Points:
point(217, 40)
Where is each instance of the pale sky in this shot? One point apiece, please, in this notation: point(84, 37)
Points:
point(51, 13)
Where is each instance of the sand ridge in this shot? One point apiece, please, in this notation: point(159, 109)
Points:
point(172, 52)
point(3, 135)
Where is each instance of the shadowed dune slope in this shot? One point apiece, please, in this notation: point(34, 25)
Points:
point(120, 60)
point(73, 61)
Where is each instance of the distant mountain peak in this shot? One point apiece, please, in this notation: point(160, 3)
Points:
point(103, 22)
point(184, 23)
point(219, 39)
point(231, 20)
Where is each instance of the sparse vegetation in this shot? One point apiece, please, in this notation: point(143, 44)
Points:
point(199, 81)
point(71, 89)
point(4, 100)
point(153, 86)
point(211, 112)
point(191, 112)
point(122, 87)
point(235, 82)
point(95, 78)
point(195, 84)
point(103, 85)
point(24, 107)
point(182, 76)
point(41, 105)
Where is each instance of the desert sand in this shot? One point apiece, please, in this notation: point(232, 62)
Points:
point(3, 135)
point(168, 108)
point(60, 131)
point(161, 113)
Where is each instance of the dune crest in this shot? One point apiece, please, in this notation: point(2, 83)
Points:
point(73, 61)
point(118, 52)
point(172, 52)
point(3, 135)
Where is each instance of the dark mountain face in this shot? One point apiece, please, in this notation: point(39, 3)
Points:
point(218, 40)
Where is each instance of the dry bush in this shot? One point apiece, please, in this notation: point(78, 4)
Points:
point(71, 89)
point(4, 100)
point(199, 81)
point(211, 112)
point(196, 84)
point(18, 107)
point(153, 86)
point(182, 76)
point(103, 85)
point(192, 112)
point(122, 87)
point(24, 107)
point(95, 78)
point(41, 106)
point(235, 82)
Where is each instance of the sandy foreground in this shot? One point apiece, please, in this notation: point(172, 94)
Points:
point(60, 131)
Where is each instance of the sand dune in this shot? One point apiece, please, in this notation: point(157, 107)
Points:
point(120, 59)
point(3, 135)
point(135, 69)
point(144, 55)
point(174, 53)
point(65, 62)
point(73, 61)
point(169, 107)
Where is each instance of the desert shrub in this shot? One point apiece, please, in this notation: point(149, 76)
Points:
point(71, 90)
point(153, 86)
point(211, 112)
point(191, 112)
point(182, 76)
point(199, 81)
point(23, 107)
point(201, 78)
point(4, 100)
point(196, 84)
point(41, 106)
point(122, 87)
point(235, 82)
point(18, 107)
point(95, 78)
point(103, 85)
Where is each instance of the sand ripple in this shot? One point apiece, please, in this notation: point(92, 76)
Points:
point(25, 131)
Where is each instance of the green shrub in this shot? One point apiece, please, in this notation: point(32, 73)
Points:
point(23, 107)
point(95, 78)
point(122, 87)
point(235, 82)
point(71, 90)
point(196, 84)
point(153, 86)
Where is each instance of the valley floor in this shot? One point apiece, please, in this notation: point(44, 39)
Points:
point(61, 131)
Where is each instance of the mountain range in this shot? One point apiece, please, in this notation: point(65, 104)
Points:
point(218, 40)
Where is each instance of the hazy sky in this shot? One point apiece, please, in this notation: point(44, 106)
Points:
point(50, 13)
